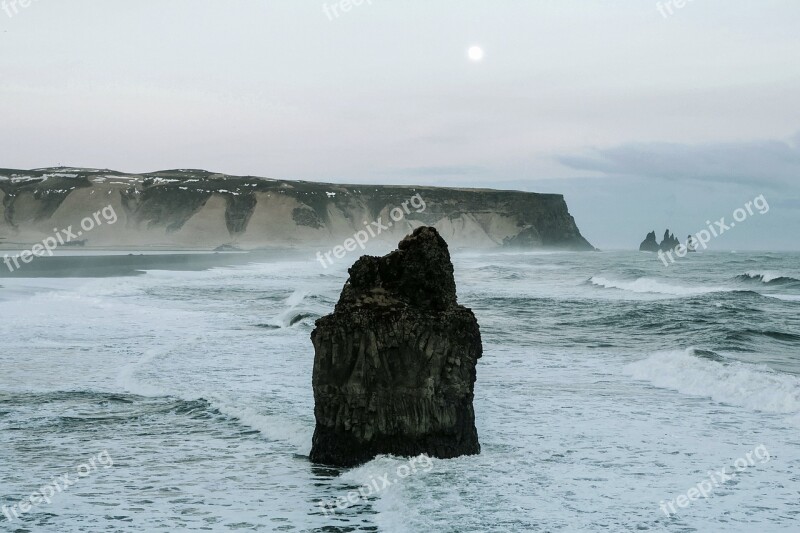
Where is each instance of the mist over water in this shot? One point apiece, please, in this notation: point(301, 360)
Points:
point(609, 383)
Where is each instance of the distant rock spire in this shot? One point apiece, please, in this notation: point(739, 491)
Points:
point(650, 244)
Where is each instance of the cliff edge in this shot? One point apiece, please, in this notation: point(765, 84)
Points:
point(196, 209)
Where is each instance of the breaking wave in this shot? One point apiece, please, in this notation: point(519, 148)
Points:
point(696, 373)
point(768, 278)
point(652, 286)
point(299, 310)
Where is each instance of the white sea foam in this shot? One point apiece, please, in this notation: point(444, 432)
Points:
point(296, 298)
point(127, 380)
point(554, 426)
point(785, 297)
point(273, 427)
point(765, 277)
point(652, 286)
point(745, 385)
point(397, 505)
point(296, 305)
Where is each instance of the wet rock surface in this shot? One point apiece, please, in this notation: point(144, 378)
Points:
point(394, 365)
point(650, 244)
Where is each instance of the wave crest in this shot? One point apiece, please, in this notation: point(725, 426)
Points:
point(652, 286)
point(768, 278)
point(745, 385)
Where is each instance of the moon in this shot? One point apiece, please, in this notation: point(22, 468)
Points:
point(475, 53)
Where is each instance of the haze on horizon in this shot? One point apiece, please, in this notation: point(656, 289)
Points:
point(643, 121)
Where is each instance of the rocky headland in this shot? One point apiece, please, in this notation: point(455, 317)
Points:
point(394, 364)
point(200, 210)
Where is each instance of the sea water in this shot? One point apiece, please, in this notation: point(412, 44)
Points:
point(609, 387)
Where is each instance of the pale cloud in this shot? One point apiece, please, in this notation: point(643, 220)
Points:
point(765, 162)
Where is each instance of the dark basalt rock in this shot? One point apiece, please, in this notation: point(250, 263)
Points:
point(691, 246)
point(394, 365)
point(305, 216)
point(39, 197)
point(649, 244)
point(669, 242)
point(238, 210)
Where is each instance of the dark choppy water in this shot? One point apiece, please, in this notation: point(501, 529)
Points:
point(609, 383)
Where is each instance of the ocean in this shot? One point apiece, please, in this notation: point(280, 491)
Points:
point(611, 391)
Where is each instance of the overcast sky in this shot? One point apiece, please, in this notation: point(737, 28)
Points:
point(643, 120)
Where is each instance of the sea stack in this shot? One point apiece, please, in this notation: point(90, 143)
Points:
point(670, 242)
point(649, 244)
point(394, 364)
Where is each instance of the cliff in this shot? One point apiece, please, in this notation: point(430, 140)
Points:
point(195, 209)
point(394, 364)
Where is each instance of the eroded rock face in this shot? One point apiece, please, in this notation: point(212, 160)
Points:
point(649, 244)
point(394, 365)
point(669, 242)
point(195, 209)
